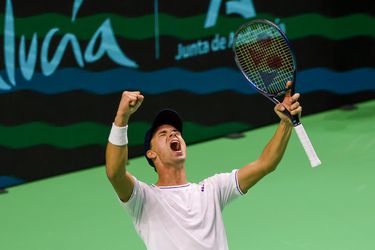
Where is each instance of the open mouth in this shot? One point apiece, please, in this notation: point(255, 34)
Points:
point(175, 145)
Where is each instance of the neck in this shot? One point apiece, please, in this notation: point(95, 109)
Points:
point(171, 176)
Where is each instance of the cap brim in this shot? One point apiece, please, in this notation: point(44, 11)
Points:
point(167, 116)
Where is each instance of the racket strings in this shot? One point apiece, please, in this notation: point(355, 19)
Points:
point(264, 56)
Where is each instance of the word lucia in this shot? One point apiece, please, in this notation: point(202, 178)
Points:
point(104, 37)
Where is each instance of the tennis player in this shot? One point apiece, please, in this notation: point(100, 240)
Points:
point(174, 214)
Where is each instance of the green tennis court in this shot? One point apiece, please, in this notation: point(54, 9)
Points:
point(331, 207)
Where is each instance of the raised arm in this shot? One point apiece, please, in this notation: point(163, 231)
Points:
point(117, 155)
point(274, 150)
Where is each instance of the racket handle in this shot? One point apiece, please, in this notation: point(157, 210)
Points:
point(306, 143)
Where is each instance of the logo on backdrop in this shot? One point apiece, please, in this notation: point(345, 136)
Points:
point(102, 43)
point(104, 36)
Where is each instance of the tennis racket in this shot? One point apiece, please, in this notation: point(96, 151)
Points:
point(265, 57)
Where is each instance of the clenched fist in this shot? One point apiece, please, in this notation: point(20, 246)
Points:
point(130, 102)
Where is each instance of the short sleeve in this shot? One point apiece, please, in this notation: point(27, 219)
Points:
point(226, 186)
point(135, 203)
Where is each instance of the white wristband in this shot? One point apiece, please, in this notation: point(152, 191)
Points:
point(118, 135)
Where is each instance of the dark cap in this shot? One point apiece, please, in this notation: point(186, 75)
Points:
point(165, 116)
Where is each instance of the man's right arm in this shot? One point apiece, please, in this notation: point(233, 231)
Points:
point(117, 155)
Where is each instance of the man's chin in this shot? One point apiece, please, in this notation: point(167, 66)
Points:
point(180, 160)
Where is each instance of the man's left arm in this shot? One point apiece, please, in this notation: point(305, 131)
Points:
point(250, 174)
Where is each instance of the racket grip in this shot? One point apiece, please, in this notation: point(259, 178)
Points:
point(306, 143)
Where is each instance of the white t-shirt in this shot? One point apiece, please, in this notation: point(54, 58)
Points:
point(183, 217)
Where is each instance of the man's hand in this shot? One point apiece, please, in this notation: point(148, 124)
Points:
point(291, 104)
point(130, 102)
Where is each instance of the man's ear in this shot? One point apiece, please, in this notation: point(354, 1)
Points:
point(151, 154)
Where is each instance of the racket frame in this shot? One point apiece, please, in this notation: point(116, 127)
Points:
point(272, 97)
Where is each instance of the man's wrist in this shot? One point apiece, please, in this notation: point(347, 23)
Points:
point(121, 120)
point(287, 123)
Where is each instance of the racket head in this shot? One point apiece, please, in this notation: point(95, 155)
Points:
point(265, 57)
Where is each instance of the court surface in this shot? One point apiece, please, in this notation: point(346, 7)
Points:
point(331, 207)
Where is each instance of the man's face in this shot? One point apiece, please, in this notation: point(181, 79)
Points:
point(168, 145)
